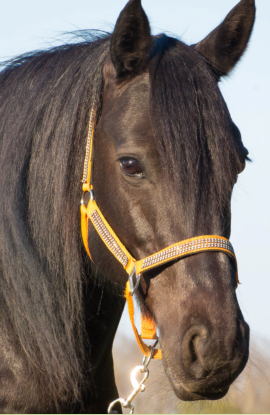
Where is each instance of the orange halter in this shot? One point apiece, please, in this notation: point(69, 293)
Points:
point(182, 249)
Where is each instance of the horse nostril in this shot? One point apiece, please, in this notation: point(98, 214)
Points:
point(192, 348)
point(193, 343)
point(203, 354)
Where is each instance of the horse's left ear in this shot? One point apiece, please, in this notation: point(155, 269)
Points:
point(225, 45)
point(131, 40)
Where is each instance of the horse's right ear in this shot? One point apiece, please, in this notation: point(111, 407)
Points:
point(131, 41)
point(225, 45)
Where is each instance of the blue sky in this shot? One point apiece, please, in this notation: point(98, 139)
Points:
point(29, 24)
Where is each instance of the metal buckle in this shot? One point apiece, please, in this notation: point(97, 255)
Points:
point(133, 287)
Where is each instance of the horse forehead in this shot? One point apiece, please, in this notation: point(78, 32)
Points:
point(133, 93)
point(126, 106)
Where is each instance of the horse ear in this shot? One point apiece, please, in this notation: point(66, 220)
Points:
point(131, 40)
point(225, 45)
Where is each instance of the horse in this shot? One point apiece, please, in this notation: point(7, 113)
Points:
point(166, 157)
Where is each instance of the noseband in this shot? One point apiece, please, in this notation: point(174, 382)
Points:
point(135, 268)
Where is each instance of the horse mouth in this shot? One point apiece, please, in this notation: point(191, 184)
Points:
point(189, 396)
point(199, 392)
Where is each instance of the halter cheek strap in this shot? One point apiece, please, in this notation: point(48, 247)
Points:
point(134, 268)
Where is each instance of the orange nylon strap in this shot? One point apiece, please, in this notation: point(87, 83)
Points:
point(84, 227)
point(157, 354)
point(186, 248)
point(87, 167)
point(179, 250)
point(107, 235)
point(148, 328)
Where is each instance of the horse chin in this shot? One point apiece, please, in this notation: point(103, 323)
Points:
point(185, 394)
point(189, 396)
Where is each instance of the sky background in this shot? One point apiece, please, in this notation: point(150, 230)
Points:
point(29, 25)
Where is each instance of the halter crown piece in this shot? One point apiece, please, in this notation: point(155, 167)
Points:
point(135, 268)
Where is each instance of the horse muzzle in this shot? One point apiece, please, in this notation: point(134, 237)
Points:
point(205, 363)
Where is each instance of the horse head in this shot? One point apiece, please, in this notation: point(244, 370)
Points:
point(167, 155)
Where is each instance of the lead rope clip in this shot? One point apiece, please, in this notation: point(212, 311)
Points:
point(137, 386)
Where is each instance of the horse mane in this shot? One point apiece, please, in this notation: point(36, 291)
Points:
point(45, 103)
point(200, 146)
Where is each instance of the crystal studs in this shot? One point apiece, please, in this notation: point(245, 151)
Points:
point(108, 238)
point(196, 245)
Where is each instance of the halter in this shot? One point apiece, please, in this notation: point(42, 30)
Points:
point(135, 268)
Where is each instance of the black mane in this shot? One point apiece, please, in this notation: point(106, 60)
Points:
point(201, 146)
point(44, 110)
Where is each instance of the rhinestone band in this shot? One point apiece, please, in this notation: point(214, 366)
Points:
point(108, 238)
point(186, 248)
point(88, 144)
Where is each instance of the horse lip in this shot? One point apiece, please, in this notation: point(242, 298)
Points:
point(190, 396)
point(186, 394)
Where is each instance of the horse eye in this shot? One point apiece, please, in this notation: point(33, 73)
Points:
point(131, 167)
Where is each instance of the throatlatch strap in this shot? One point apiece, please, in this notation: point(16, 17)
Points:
point(206, 243)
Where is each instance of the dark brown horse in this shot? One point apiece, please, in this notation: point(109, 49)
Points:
point(167, 156)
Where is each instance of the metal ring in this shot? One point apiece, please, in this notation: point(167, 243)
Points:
point(91, 196)
point(147, 360)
